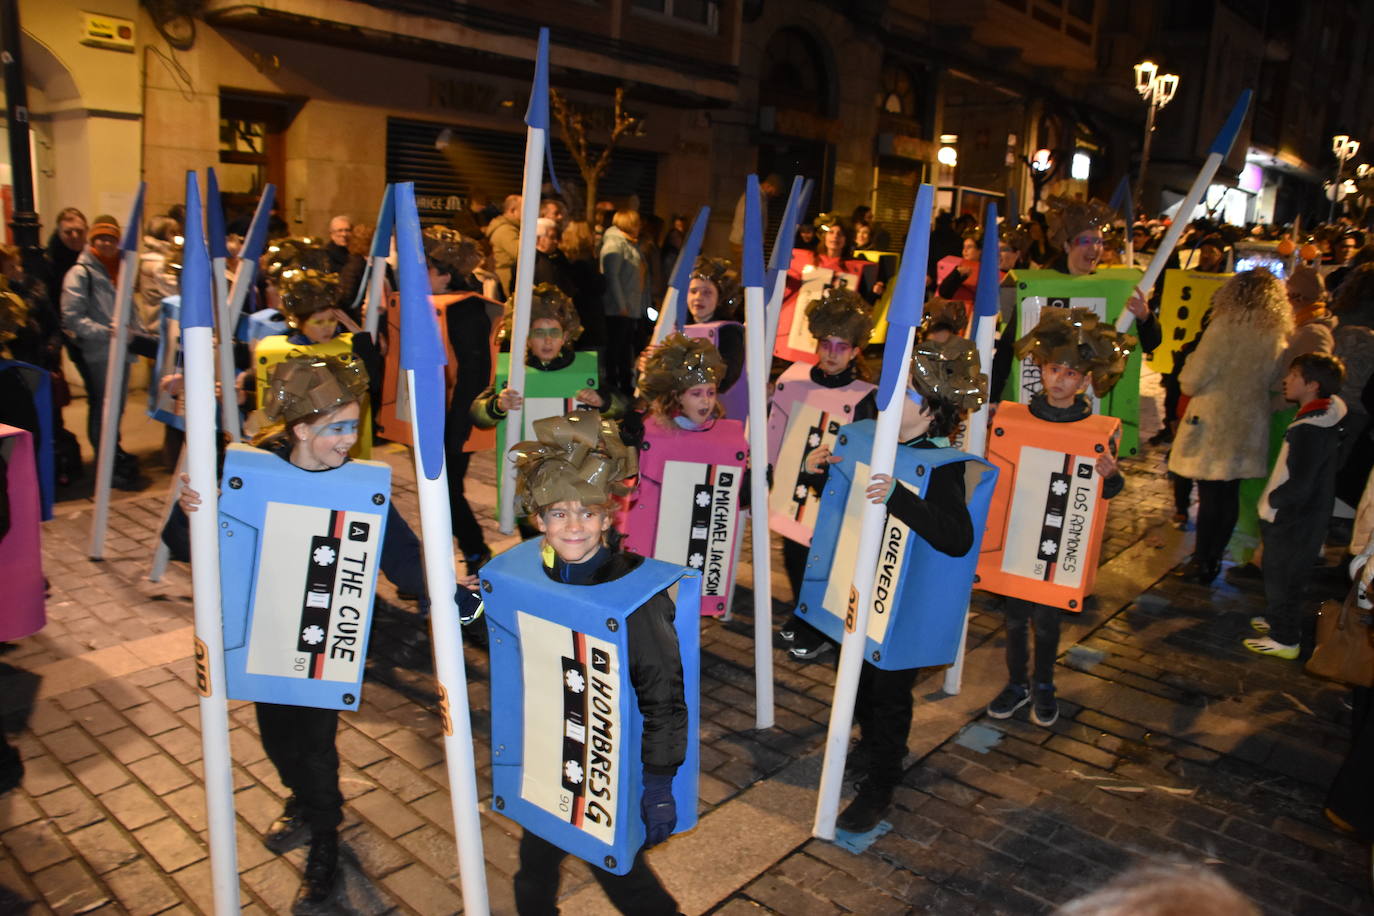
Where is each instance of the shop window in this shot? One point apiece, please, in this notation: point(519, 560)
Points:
point(252, 148)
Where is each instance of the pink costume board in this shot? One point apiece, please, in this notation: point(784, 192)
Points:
point(803, 417)
point(21, 554)
point(686, 509)
point(807, 278)
point(736, 400)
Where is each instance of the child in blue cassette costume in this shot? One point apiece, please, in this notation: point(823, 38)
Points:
point(314, 404)
point(1072, 348)
point(565, 483)
point(946, 383)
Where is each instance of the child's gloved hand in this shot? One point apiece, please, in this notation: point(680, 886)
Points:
point(469, 603)
point(658, 808)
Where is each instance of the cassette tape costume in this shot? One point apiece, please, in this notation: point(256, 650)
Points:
point(714, 301)
point(936, 507)
point(612, 768)
point(1057, 464)
point(304, 533)
point(692, 467)
point(469, 323)
point(811, 273)
point(560, 378)
point(810, 404)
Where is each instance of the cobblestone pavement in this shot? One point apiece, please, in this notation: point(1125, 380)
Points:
point(1172, 740)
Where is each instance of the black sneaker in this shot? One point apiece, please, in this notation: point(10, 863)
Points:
point(1012, 698)
point(321, 866)
point(866, 810)
point(789, 629)
point(288, 829)
point(1045, 709)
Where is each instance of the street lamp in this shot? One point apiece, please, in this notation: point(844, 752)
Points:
point(1041, 167)
point(1157, 89)
point(1343, 148)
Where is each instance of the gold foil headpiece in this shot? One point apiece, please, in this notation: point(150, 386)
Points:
point(839, 312)
point(680, 363)
point(578, 457)
point(304, 386)
point(1077, 338)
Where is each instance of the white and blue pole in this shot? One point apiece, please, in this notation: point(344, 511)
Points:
point(986, 303)
point(672, 316)
point(1216, 154)
point(780, 259)
point(219, 260)
point(198, 350)
point(115, 377)
point(422, 360)
point(537, 121)
point(758, 353)
point(904, 314)
point(375, 276)
point(253, 244)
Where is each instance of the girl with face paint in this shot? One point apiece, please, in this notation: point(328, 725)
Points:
point(314, 405)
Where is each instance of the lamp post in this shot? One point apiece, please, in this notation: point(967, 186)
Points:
point(1157, 89)
point(1344, 148)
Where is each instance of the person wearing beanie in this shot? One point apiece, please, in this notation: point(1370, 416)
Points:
point(88, 305)
point(311, 412)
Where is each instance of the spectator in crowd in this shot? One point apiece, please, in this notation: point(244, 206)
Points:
point(769, 187)
point(554, 209)
point(65, 245)
point(157, 269)
point(1353, 306)
point(651, 230)
point(88, 304)
point(504, 234)
point(1162, 889)
point(625, 298)
point(579, 249)
point(550, 266)
point(343, 259)
point(1224, 436)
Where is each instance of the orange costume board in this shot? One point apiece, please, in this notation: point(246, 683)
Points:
point(393, 413)
point(1044, 532)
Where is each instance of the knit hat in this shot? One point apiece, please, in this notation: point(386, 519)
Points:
point(944, 315)
point(304, 386)
point(577, 457)
point(680, 363)
point(949, 371)
point(305, 292)
point(1080, 340)
point(1306, 286)
point(839, 312)
point(547, 301)
point(1070, 218)
point(105, 225)
point(730, 295)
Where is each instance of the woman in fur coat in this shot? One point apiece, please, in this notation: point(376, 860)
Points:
point(1224, 436)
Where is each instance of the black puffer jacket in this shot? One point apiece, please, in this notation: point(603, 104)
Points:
point(655, 659)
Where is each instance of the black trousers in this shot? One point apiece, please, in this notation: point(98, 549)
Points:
point(794, 564)
point(1183, 493)
point(466, 528)
point(1021, 615)
point(883, 710)
point(1352, 793)
point(617, 372)
point(638, 891)
point(299, 740)
point(1290, 552)
point(1218, 507)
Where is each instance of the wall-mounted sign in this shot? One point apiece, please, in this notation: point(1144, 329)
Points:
point(100, 31)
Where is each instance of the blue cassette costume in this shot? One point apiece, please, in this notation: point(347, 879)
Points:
point(929, 552)
point(624, 658)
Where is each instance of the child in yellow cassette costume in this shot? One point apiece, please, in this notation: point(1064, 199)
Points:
point(1073, 349)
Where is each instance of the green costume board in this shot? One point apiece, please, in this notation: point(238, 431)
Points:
point(1105, 292)
point(547, 394)
point(1245, 537)
point(1186, 298)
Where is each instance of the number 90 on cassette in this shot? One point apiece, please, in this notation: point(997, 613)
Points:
point(299, 554)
